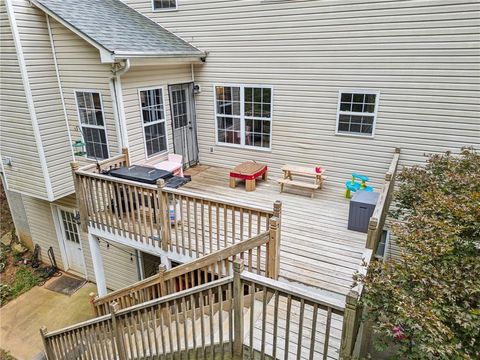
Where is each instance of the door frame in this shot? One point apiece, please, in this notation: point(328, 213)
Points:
point(193, 114)
point(61, 238)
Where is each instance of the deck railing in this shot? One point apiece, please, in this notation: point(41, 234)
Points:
point(174, 220)
point(260, 254)
point(355, 333)
point(240, 315)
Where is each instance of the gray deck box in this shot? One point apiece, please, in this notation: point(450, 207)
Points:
point(362, 205)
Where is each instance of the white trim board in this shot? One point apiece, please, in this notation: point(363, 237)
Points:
point(157, 251)
point(28, 95)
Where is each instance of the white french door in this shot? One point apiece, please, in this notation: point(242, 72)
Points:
point(71, 239)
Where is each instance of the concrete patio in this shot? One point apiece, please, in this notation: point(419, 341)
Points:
point(21, 319)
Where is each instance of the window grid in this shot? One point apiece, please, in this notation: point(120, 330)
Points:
point(244, 115)
point(153, 120)
point(180, 115)
point(91, 118)
point(356, 112)
point(70, 227)
point(164, 4)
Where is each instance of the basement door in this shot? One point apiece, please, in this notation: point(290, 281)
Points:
point(71, 240)
point(184, 126)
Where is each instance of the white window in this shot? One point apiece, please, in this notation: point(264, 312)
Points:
point(153, 120)
point(357, 112)
point(164, 4)
point(92, 123)
point(244, 115)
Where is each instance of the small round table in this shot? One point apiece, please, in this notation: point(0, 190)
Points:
point(248, 171)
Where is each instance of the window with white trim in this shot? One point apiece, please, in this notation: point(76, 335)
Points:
point(153, 120)
point(357, 111)
point(244, 115)
point(164, 4)
point(92, 122)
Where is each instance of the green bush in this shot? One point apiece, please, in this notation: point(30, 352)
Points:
point(427, 302)
point(5, 293)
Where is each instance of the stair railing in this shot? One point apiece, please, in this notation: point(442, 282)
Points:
point(260, 254)
point(241, 314)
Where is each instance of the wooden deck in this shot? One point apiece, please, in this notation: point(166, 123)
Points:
point(317, 250)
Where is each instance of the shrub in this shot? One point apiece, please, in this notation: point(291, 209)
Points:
point(428, 300)
point(5, 293)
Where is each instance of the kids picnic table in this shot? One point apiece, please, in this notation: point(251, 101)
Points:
point(248, 171)
point(289, 171)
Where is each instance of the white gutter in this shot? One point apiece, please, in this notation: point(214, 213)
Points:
point(118, 99)
point(54, 53)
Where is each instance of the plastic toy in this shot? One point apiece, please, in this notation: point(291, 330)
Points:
point(354, 186)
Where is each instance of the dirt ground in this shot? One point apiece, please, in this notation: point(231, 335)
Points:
point(8, 276)
point(6, 222)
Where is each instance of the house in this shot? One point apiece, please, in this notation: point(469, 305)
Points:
point(95, 85)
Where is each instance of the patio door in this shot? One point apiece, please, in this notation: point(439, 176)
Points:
point(71, 240)
point(184, 127)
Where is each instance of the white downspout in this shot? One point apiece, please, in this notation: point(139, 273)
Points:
point(60, 88)
point(120, 111)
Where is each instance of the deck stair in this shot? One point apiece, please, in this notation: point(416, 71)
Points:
point(241, 315)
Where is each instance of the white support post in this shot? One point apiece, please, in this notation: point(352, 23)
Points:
point(97, 265)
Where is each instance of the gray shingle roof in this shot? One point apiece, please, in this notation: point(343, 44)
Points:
point(118, 28)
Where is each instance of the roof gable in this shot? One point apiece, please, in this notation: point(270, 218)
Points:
point(116, 28)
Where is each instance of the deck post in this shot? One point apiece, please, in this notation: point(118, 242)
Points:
point(79, 196)
point(117, 331)
point(274, 249)
point(366, 334)
point(350, 321)
point(92, 298)
point(277, 212)
point(372, 233)
point(164, 215)
point(127, 156)
point(161, 281)
point(97, 265)
point(46, 344)
point(238, 309)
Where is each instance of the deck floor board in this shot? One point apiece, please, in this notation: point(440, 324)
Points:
point(316, 248)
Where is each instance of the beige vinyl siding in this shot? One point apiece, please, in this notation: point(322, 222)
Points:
point(42, 228)
point(119, 270)
point(39, 62)
point(17, 139)
point(422, 56)
point(80, 69)
point(148, 77)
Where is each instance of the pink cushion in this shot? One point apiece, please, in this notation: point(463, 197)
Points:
point(168, 165)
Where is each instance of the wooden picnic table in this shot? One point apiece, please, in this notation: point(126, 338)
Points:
point(289, 171)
